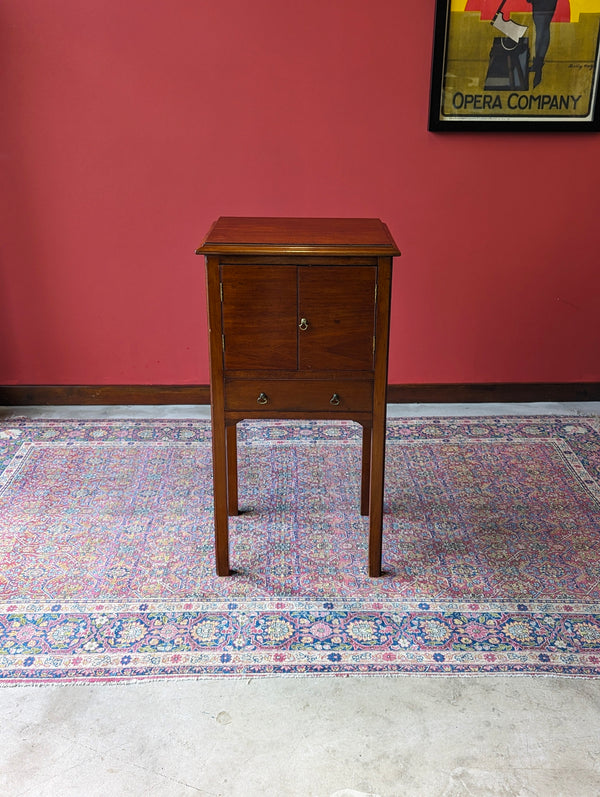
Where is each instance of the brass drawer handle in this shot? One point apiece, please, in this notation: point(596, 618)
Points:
point(335, 400)
point(303, 324)
point(263, 399)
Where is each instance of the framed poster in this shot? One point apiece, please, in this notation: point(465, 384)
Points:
point(515, 65)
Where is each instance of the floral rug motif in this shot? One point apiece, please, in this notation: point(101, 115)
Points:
point(491, 551)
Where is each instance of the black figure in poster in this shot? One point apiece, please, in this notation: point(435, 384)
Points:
point(509, 57)
point(543, 11)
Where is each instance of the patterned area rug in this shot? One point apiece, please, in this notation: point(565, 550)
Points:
point(491, 551)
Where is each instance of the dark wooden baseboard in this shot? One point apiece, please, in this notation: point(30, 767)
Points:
point(27, 395)
point(515, 392)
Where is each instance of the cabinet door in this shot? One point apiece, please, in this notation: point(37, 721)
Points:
point(259, 305)
point(338, 303)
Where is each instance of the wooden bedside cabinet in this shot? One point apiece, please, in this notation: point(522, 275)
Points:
point(298, 314)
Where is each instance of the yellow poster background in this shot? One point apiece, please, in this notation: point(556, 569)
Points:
point(567, 90)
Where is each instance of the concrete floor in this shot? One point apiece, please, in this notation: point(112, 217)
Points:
point(321, 737)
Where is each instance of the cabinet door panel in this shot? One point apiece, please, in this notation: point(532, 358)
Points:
point(259, 317)
point(338, 304)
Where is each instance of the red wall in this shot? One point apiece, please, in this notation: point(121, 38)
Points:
point(128, 127)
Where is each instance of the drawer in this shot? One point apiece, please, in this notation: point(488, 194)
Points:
point(299, 395)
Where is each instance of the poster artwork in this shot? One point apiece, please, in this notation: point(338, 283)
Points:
point(521, 60)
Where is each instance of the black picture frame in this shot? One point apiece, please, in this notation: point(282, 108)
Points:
point(484, 73)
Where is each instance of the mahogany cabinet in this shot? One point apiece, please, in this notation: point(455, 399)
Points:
point(298, 313)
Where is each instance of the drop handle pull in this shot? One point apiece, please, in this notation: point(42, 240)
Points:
point(303, 324)
point(335, 400)
point(263, 399)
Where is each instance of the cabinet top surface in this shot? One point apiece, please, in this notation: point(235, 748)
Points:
point(281, 236)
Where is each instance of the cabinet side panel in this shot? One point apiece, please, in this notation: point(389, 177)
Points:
point(259, 309)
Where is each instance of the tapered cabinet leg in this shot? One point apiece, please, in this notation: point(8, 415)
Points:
point(376, 498)
point(217, 408)
point(220, 499)
point(366, 470)
point(232, 477)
